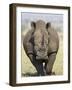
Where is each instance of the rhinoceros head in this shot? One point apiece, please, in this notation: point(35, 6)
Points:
point(40, 39)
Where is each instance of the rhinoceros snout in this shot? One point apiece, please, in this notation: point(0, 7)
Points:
point(41, 54)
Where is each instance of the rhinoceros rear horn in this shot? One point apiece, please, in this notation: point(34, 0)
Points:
point(33, 25)
point(48, 25)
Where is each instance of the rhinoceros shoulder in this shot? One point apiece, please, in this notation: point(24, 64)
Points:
point(53, 40)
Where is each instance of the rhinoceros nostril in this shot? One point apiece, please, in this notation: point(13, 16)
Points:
point(42, 50)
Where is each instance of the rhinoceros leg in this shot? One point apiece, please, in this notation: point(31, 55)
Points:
point(50, 63)
point(38, 65)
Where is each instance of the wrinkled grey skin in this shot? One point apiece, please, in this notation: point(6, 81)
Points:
point(41, 45)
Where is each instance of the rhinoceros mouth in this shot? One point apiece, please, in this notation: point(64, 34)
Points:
point(42, 57)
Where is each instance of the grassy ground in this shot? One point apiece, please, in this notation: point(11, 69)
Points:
point(28, 69)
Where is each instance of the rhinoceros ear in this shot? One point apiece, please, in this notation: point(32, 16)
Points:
point(33, 25)
point(48, 25)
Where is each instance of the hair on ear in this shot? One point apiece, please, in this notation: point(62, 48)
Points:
point(48, 25)
point(33, 25)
